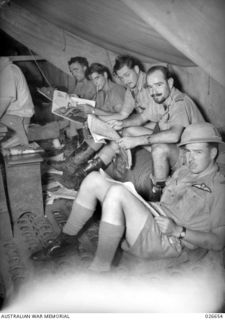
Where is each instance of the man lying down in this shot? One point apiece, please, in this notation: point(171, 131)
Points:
point(192, 209)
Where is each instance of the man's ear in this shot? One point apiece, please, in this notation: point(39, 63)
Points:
point(171, 83)
point(105, 75)
point(85, 68)
point(136, 69)
point(214, 153)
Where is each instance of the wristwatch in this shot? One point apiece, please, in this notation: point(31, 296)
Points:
point(149, 140)
point(183, 233)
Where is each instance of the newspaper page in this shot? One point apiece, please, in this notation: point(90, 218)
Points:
point(65, 106)
point(102, 131)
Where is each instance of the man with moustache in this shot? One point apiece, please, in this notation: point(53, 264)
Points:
point(175, 111)
point(157, 126)
point(190, 215)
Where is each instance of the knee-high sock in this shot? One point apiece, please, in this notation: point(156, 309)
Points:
point(77, 219)
point(109, 238)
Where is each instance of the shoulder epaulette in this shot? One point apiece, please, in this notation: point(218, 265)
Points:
point(179, 97)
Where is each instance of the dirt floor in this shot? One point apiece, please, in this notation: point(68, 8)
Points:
point(31, 232)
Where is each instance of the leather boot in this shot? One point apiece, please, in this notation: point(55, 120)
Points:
point(71, 145)
point(67, 165)
point(83, 170)
point(82, 154)
point(157, 190)
point(55, 248)
point(94, 165)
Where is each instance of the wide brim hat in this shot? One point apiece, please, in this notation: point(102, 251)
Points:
point(201, 132)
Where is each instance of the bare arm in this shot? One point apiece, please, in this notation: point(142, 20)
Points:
point(213, 240)
point(4, 105)
point(171, 135)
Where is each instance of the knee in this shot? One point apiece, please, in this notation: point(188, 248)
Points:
point(91, 181)
point(114, 195)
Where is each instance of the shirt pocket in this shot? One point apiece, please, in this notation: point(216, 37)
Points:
point(194, 211)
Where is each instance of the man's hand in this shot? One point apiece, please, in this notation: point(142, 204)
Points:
point(86, 108)
point(168, 226)
point(127, 142)
point(116, 124)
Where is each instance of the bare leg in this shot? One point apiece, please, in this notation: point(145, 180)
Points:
point(136, 132)
point(93, 188)
point(164, 157)
point(121, 211)
point(121, 207)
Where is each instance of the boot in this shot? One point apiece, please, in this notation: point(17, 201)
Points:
point(83, 170)
point(71, 145)
point(157, 190)
point(67, 165)
point(82, 154)
point(94, 165)
point(55, 248)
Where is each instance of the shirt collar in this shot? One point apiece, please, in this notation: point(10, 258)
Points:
point(170, 99)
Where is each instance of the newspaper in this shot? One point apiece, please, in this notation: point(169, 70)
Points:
point(61, 192)
point(65, 106)
point(102, 131)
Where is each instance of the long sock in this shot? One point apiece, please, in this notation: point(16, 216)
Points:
point(109, 238)
point(77, 219)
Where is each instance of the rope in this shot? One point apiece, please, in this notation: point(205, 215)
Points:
point(39, 68)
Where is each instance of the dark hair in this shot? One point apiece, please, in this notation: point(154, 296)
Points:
point(165, 71)
point(81, 60)
point(100, 69)
point(129, 61)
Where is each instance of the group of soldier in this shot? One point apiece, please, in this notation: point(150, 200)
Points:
point(185, 211)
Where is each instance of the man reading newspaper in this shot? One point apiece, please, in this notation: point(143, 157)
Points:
point(190, 214)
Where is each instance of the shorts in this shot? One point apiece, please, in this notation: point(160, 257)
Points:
point(151, 243)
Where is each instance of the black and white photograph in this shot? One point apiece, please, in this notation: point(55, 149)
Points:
point(112, 159)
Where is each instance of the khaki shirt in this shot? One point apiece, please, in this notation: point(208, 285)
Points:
point(85, 89)
point(139, 99)
point(178, 109)
point(195, 201)
point(14, 85)
point(112, 99)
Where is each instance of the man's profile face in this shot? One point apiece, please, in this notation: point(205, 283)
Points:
point(99, 80)
point(129, 77)
point(78, 71)
point(199, 156)
point(159, 87)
